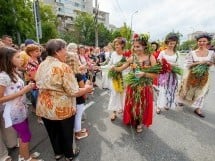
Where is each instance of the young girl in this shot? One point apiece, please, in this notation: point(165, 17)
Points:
point(12, 98)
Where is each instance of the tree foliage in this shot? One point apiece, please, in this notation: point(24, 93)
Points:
point(213, 42)
point(17, 20)
point(48, 23)
point(104, 35)
point(126, 32)
point(83, 31)
point(188, 45)
point(115, 33)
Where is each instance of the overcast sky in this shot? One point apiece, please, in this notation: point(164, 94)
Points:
point(158, 17)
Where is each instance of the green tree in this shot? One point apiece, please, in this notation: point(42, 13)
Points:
point(16, 19)
point(48, 23)
point(115, 33)
point(188, 45)
point(104, 35)
point(126, 32)
point(213, 42)
point(84, 29)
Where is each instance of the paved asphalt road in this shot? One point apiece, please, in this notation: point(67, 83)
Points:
point(176, 135)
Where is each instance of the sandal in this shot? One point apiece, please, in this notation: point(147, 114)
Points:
point(7, 158)
point(180, 104)
point(32, 159)
point(58, 157)
point(120, 111)
point(158, 111)
point(166, 108)
point(199, 114)
point(113, 117)
point(84, 130)
point(139, 128)
point(35, 155)
point(83, 135)
point(75, 154)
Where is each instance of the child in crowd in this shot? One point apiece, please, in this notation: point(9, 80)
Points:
point(12, 97)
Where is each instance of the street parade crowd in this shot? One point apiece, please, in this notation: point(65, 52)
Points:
point(57, 79)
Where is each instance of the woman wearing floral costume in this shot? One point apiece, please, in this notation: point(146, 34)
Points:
point(116, 102)
point(168, 81)
point(195, 83)
point(138, 107)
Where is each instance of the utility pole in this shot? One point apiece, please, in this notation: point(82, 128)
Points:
point(37, 20)
point(131, 23)
point(96, 23)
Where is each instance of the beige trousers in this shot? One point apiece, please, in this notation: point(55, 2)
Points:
point(8, 138)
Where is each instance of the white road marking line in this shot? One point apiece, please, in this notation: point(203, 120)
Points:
point(89, 104)
point(104, 93)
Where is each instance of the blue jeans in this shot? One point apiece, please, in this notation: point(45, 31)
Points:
point(34, 95)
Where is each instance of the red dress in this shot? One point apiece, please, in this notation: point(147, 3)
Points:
point(138, 110)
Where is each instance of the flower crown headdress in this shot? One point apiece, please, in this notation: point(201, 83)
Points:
point(141, 37)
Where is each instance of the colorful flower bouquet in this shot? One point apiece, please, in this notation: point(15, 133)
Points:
point(198, 76)
point(167, 68)
point(117, 76)
point(133, 81)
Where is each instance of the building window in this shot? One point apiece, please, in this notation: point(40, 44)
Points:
point(60, 9)
point(76, 4)
point(83, 6)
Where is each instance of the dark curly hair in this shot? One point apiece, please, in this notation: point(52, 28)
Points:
point(172, 37)
point(155, 43)
point(6, 65)
point(204, 35)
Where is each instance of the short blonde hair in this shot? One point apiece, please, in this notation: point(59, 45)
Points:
point(31, 47)
point(71, 47)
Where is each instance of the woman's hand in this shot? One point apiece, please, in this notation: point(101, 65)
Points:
point(27, 88)
point(88, 88)
point(112, 67)
point(74, 109)
point(174, 64)
point(207, 62)
point(140, 74)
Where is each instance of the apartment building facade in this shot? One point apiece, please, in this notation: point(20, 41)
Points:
point(67, 10)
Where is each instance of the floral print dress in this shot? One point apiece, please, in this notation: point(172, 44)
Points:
point(15, 111)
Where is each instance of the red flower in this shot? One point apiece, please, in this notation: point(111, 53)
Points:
point(166, 67)
point(127, 53)
point(135, 36)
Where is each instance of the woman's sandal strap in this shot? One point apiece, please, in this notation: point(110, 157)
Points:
point(7, 158)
